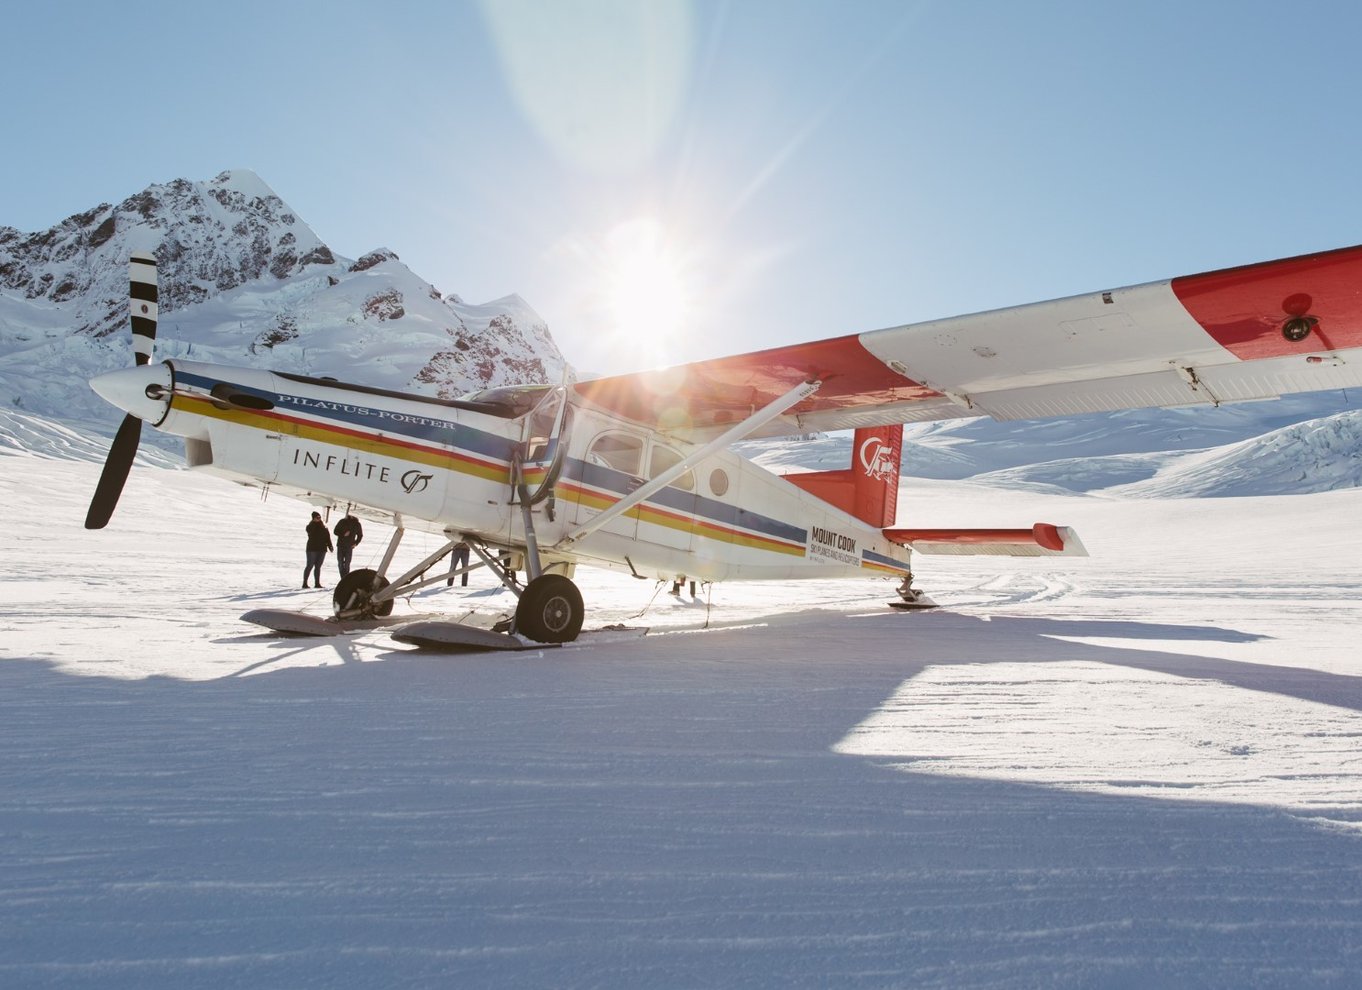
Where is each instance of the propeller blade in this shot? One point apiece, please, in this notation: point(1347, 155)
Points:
point(116, 468)
point(142, 304)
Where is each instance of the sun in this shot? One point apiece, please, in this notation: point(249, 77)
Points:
point(646, 285)
point(639, 290)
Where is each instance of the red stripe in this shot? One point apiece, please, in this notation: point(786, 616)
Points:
point(451, 452)
point(694, 521)
point(1243, 309)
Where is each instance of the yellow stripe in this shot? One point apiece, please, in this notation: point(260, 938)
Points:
point(695, 525)
point(876, 566)
point(456, 462)
point(357, 441)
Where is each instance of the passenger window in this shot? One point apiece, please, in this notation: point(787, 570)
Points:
point(617, 450)
point(665, 458)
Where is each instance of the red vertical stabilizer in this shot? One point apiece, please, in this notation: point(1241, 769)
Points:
point(868, 489)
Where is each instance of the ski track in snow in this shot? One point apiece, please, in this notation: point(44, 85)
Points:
point(1139, 769)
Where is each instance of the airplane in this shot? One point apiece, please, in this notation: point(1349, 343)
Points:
point(635, 471)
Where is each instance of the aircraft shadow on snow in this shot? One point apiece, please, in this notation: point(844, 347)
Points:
point(902, 645)
point(973, 639)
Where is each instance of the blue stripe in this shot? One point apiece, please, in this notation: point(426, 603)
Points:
point(879, 558)
point(427, 429)
point(684, 502)
point(443, 433)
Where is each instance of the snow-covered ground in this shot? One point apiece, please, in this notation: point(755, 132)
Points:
point(1142, 769)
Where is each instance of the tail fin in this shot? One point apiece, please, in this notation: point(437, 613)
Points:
point(868, 489)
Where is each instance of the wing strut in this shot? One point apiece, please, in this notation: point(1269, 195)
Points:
point(758, 419)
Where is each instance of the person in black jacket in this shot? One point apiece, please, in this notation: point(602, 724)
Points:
point(349, 534)
point(318, 543)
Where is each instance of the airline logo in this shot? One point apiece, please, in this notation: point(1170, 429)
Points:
point(877, 459)
point(415, 482)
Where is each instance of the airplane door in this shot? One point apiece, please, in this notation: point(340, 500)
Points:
point(668, 517)
point(611, 469)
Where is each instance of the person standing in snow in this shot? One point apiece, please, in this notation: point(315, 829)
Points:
point(318, 543)
point(349, 534)
point(458, 557)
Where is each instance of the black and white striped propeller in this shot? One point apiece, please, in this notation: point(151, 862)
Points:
point(121, 389)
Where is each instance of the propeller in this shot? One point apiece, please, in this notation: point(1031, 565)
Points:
point(142, 304)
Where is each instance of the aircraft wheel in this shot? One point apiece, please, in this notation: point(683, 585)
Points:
point(356, 591)
point(550, 610)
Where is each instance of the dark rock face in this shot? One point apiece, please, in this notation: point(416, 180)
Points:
point(285, 330)
point(373, 258)
point(384, 306)
point(486, 357)
point(209, 236)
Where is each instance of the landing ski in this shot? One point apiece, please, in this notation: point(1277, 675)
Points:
point(457, 637)
point(304, 624)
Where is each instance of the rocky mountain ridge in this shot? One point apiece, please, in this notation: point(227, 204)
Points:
point(243, 280)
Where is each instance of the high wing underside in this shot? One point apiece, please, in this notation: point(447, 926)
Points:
point(1224, 336)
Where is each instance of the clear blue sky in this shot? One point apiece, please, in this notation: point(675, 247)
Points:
point(767, 171)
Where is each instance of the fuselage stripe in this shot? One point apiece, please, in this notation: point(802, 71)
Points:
point(698, 525)
point(780, 537)
point(353, 439)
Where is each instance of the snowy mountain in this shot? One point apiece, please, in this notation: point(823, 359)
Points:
point(243, 280)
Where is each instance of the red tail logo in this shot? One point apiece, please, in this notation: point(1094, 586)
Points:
point(869, 488)
point(878, 458)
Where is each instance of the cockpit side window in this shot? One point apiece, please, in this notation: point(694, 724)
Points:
point(540, 424)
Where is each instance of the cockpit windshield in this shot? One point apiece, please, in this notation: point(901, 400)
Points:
point(515, 400)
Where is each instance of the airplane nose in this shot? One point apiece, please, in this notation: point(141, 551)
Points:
point(143, 391)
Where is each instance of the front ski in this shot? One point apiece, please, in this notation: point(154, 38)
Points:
point(458, 637)
point(304, 624)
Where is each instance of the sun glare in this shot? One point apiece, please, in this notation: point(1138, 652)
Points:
point(645, 285)
point(642, 292)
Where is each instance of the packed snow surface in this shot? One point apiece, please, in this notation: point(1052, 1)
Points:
point(1134, 770)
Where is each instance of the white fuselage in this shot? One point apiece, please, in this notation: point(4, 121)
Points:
point(447, 467)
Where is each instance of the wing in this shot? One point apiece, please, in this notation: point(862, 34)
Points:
point(1254, 332)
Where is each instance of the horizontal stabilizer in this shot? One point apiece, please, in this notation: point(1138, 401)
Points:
point(1041, 540)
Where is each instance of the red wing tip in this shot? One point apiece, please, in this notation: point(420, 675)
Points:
point(1048, 536)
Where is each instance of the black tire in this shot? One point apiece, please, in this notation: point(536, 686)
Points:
point(550, 610)
point(356, 591)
